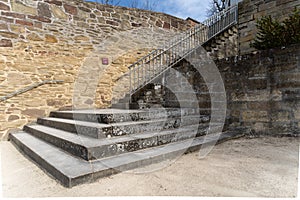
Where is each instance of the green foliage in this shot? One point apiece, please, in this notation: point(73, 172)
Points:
point(273, 33)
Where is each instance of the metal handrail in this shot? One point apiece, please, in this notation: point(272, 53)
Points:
point(28, 88)
point(158, 61)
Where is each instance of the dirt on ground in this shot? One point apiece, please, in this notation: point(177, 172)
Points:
point(259, 167)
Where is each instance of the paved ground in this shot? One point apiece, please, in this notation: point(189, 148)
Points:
point(261, 167)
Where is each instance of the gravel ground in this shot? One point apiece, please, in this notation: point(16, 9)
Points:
point(260, 167)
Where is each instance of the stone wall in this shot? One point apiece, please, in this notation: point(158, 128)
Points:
point(67, 40)
point(263, 91)
point(252, 10)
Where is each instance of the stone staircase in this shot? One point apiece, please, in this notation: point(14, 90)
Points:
point(81, 146)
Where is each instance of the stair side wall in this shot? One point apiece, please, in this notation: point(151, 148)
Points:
point(224, 45)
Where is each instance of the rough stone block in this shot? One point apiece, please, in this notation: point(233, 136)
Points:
point(280, 116)
point(257, 116)
point(4, 27)
point(267, 6)
point(19, 7)
point(34, 37)
point(257, 84)
point(9, 35)
point(261, 127)
point(259, 105)
point(84, 9)
point(24, 22)
point(291, 95)
point(14, 15)
point(58, 12)
point(297, 114)
point(55, 2)
point(4, 6)
point(114, 23)
point(5, 19)
point(13, 118)
point(280, 2)
point(5, 43)
point(50, 39)
point(166, 25)
point(70, 9)
point(34, 112)
point(44, 10)
point(40, 18)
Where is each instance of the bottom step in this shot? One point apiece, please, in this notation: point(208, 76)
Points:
point(71, 171)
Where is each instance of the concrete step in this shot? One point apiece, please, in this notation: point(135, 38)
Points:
point(109, 116)
point(71, 171)
point(91, 149)
point(96, 130)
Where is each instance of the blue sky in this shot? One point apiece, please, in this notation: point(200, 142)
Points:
point(195, 9)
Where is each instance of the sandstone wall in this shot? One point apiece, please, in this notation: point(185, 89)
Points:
point(67, 40)
point(252, 10)
point(263, 91)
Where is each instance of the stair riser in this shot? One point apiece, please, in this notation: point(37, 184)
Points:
point(118, 148)
point(75, 149)
point(64, 180)
point(168, 123)
point(134, 144)
point(115, 130)
point(145, 127)
point(138, 144)
point(77, 129)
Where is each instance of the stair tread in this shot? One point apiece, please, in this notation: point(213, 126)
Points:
point(73, 167)
point(101, 111)
point(112, 111)
point(65, 163)
point(102, 116)
point(77, 122)
point(101, 125)
point(91, 142)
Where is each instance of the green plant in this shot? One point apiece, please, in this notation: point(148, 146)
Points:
point(292, 28)
point(273, 33)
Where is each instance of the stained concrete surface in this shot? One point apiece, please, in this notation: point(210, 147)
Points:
point(260, 167)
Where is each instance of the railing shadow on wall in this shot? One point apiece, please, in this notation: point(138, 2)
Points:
point(28, 88)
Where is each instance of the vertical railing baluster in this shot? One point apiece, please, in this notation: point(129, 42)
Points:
point(149, 67)
point(130, 78)
point(144, 72)
point(134, 78)
point(138, 76)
